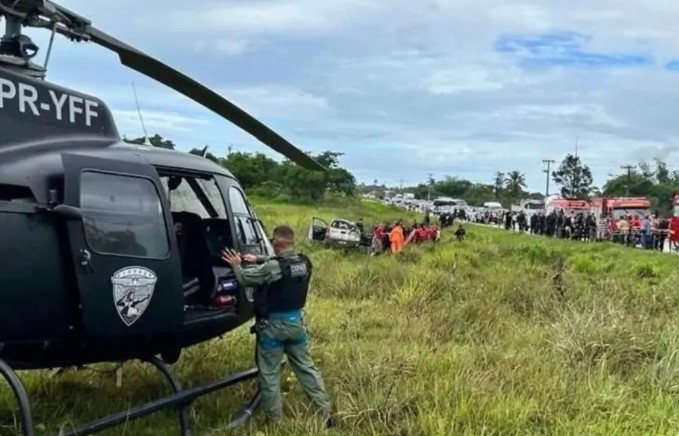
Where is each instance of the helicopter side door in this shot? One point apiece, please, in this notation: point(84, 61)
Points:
point(124, 248)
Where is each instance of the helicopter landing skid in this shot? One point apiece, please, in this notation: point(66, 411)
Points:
point(180, 399)
point(21, 396)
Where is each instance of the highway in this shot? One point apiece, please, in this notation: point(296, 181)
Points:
point(666, 248)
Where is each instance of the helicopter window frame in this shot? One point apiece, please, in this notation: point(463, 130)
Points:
point(88, 211)
point(197, 189)
point(213, 195)
point(11, 193)
point(248, 231)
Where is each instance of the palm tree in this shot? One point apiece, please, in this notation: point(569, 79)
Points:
point(498, 183)
point(515, 182)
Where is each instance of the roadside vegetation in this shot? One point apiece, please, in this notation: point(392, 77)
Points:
point(501, 334)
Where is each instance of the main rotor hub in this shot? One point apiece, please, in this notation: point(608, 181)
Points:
point(17, 50)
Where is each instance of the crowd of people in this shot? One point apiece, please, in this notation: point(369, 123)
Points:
point(394, 237)
point(643, 231)
point(647, 231)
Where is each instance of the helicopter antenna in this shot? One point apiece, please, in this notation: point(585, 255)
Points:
point(141, 119)
point(49, 47)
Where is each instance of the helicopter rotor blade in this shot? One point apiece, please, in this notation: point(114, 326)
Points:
point(153, 68)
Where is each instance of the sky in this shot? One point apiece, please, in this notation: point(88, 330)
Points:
point(462, 88)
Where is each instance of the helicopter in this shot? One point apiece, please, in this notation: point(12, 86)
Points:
point(111, 251)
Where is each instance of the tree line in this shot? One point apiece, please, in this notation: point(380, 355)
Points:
point(572, 177)
point(654, 180)
point(263, 176)
point(506, 188)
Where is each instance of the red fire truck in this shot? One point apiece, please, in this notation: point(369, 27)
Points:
point(569, 207)
point(618, 207)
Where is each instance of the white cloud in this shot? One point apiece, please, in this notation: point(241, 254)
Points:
point(165, 121)
point(232, 47)
point(223, 46)
point(488, 77)
point(419, 82)
point(266, 17)
point(595, 113)
point(277, 100)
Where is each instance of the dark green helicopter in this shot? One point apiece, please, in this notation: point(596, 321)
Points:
point(111, 251)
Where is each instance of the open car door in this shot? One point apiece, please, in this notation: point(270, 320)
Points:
point(317, 229)
point(367, 238)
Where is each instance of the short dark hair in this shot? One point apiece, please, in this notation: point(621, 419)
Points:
point(284, 232)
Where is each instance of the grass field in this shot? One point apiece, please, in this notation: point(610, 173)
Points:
point(501, 334)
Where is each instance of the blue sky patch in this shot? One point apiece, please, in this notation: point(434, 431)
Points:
point(564, 49)
point(672, 65)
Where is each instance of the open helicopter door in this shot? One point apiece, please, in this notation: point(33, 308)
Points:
point(317, 229)
point(124, 248)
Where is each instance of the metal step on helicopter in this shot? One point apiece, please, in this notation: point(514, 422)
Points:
point(101, 261)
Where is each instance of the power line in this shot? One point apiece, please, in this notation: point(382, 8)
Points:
point(629, 176)
point(549, 162)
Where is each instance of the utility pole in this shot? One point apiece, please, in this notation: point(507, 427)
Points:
point(401, 182)
point(549, 162)
point(629, 176)
point(429, 187)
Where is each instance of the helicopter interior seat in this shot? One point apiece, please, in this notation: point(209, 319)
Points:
point(219, 237)
point(198, 276)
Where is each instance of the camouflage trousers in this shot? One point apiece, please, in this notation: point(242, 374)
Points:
point(287, 336)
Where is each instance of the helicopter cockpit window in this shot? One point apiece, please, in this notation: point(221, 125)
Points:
point(246, 226)
point(123, 215)
point(238, 204)
point(212, 193)
point(183, 199)
point(195, 195)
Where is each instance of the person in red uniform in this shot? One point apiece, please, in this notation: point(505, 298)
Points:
point(378, 235)
point(379, 232)
point(433, 231)
point(421, 233)
point(674, 233)
point(635, 223)
point(613, 229)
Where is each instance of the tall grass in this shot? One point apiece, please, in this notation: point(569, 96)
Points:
point(500, 334)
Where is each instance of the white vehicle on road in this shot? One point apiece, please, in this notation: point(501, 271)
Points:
point(494, 210)
point(529, 207)
point(447, 204)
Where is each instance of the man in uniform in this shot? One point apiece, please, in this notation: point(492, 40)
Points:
point(283, 283)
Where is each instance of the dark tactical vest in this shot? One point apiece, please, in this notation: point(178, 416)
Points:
point(290, 292)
